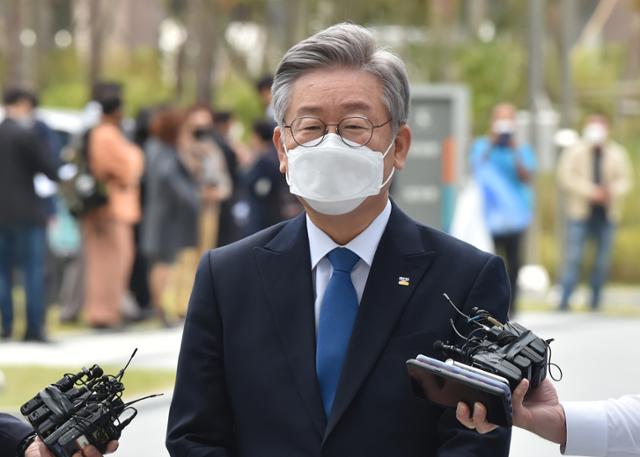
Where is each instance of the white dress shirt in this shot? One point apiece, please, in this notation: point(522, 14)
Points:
point(364, 245)
point(608, 428)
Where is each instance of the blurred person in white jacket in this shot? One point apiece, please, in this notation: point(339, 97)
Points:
point(595, 175)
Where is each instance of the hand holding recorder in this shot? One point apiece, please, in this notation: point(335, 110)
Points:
point(484, 366)
point(540, 413)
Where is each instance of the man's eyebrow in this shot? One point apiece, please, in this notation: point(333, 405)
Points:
point(356, 106)
point(351, 106)
point(311, 109)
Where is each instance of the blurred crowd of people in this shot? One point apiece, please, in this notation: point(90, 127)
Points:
point(135, 209)
point(594, 174)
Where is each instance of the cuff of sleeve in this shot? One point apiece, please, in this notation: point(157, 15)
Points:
point(586, 429)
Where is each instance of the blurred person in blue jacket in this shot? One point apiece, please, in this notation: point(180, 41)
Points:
point(504, 169)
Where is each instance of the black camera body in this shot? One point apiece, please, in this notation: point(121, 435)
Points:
point(508, 350)
point(92, 425)
point(80, 409)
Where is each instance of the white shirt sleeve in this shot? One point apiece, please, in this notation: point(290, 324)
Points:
point(604, 428)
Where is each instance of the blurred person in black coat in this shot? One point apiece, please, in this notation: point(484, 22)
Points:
point(263, 184)
point(172, 202)
point(228, 230)
point(138, 284)
point(263, 86)
point(23, 215)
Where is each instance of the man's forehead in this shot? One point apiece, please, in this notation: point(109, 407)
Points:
point(343, 89)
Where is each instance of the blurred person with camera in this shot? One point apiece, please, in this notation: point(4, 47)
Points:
point(597, 428)
point(23, 215)
point(108, 230)
point(17, 439)
point(596, 174)
point(504, 170)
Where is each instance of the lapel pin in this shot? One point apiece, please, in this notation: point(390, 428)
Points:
point(403, 281)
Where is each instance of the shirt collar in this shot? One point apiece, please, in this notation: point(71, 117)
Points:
point(365, 244)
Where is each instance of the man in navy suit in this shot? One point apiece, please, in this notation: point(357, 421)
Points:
point(296, 338)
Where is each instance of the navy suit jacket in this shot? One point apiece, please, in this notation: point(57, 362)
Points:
point(246, 383)
point(12, 431)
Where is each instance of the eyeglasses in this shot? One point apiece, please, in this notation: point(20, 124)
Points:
point(355, 131)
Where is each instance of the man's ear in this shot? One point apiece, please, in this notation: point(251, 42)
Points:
point(278, 143)
point(402, 145)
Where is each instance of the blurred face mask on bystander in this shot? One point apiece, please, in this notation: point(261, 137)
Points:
point(595, 133)
point(503, 130)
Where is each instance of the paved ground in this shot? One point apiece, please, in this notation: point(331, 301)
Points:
point(156, 349)
point(598, 355)
point(618, 299)
point(597, 352)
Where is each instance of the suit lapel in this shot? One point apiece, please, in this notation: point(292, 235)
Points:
point(400, 258)
point(285, 269)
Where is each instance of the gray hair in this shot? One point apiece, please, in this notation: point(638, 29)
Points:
point(343, 46)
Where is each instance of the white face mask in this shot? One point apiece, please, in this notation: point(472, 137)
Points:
point(595, 133)
point(334, 178)
point(26, 122)
point(503, 126)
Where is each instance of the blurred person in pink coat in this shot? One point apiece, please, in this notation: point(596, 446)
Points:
point(108, 230)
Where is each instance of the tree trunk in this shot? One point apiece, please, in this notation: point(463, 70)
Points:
point(43, 27)
point(96, 26)
point(206, 36)
point(15, 51)
point(297, 12)
point(181, 60)
point(477, 14)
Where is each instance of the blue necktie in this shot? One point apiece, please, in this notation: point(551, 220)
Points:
point(337, 315)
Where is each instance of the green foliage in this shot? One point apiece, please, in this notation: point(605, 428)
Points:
point(24, 381)
point(596, 72)
point(239, 95)
point(406, 12)
point(66, 80)
point(494, 72)
point(140, 71)
point(71, 95)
